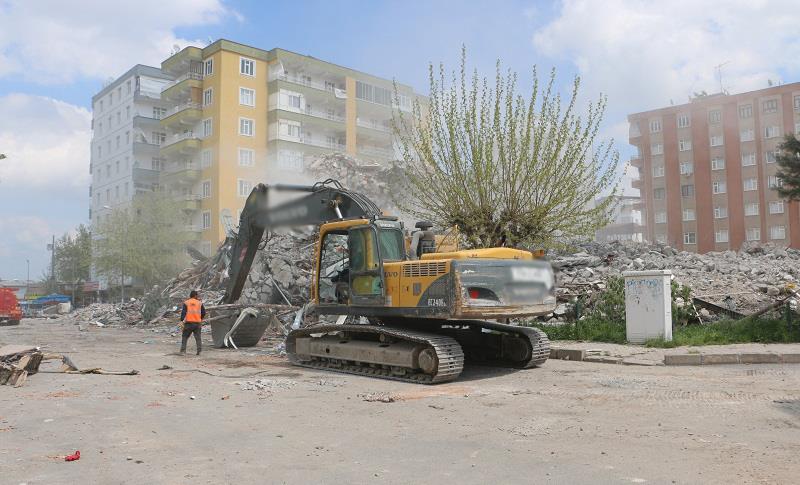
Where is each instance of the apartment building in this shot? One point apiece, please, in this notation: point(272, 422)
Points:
point(625, 223)
point(707, 170)
point(239, 115)
point(125, 157)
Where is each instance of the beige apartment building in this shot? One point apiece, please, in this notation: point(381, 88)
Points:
point(707, 170)
point(230, 116)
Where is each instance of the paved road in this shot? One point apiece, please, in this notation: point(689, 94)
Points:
point(566, 422)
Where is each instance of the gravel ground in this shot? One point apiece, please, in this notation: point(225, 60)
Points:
point(259, 420)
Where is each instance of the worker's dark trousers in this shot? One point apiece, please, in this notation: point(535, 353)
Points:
point(188, 329)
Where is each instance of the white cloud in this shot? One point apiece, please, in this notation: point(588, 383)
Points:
point(56, 41)
point(46, 142)
point(643, 54)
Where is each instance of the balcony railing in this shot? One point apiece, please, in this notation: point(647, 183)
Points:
point(147, 94)
point(182, 107)
point(179, 137)
point(189, 75)
point(339, 93)
point(375, 151)
point(374, 125)
point(181, 167)
point(312, 142)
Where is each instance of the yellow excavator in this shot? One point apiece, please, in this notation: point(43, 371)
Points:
point(428, 311)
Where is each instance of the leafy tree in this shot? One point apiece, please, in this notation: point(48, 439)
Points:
point(506, 168)
point(145, 241)
point(788, 160)
point(73, 257)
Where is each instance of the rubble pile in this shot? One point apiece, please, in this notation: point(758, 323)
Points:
point(127, 313)
point(741, 281)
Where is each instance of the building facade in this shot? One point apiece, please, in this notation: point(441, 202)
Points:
point(626, 221)
point(233, 116)
point(707, 170)
point(125, 157)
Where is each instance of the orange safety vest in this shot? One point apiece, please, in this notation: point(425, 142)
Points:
point(193, 310)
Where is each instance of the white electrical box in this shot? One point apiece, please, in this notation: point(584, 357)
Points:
point(648, 305)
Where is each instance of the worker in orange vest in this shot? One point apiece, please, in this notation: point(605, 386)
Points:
point(192, 316)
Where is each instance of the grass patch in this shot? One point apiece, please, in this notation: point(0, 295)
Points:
point(593, 329)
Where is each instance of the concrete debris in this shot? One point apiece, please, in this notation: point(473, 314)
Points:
point(17, 362)
point(378, 397)
point(266, 384)
point(740, 281)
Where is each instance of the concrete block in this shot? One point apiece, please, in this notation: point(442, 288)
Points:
point(714, 359)
point(760, 358)
point(571, 354)
point(603, 360)
point(642, 362)
point(790, 358)
point(683, 359)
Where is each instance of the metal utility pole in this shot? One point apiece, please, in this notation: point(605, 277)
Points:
point(53, 263)
point(28, 280)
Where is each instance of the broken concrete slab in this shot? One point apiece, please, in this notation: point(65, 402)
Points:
point(760, 358)
point(715, 359)
point(682, 359)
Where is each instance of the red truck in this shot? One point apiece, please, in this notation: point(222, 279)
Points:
point(10, 312)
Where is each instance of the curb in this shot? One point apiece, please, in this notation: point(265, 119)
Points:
point(579, 355)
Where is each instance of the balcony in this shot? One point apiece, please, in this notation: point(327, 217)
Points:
point(182, 173)
point(383, 127)
point(145, 95)
point(181, 144)
point(181, 86)
point(312, 142)
point(637, 184)
point(376, 152)
point(190, 202)
point(193, 228)
point(186, 114)
point(145, 179)
point(301, 81)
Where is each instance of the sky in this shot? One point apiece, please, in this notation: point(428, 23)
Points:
point(641, 54)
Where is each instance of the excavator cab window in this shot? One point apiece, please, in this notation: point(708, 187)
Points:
point(392, 244)
point(334, 270)
point(366, 267)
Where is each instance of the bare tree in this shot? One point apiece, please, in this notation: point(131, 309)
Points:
point(503, 168)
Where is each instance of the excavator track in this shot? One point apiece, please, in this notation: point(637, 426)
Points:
point(378, 351)
point(500, 344)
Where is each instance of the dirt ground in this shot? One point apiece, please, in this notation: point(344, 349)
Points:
point(259, 420)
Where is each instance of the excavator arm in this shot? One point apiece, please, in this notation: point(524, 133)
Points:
point(324, 201)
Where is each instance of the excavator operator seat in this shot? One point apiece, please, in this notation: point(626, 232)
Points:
point(423, 240)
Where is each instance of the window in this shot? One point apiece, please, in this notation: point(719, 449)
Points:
point(159, 113)
point(718, 187)
point(126, 189)
point(772, 131)
point(108, 195)
point(658, 170)
point(714, 116)
point(101, 106)
point(246, 157)
point(777, 232)
point(721, 236)
point(658, 194)
point(689, 238)
point(100, 128)
point(748, 159)
point(661, 217)
point(206, 220)
point(116, 192)
point(289, 128)
point(717, 164)
point(769, 156)
point(119, 117)
point(720, 212)
point(244, 187)
point(774, 182)
point(205, 158)
point(247, 97)
point(110, 99)
point(155, 162)
point(158, 138)
point(655, 126)
point(797, 103)
point(246, 126)
point(662, 238)
point(753, 234)
point(117, 163)
point(751, 209)
point(687, 190)
point(108, 170)
point(117, 142)
point(206, 189)
point(684, 145)
point(208, 127)
point(127, 137)
point(330, 86)
point(208, 65)
point(776, 207)
point(750, 184)
point(797, 128)
point(688, 214)
point(656, 149)
point(374, 94)
point(208, 97)
point(748, 134)
point(716, 140)
point(290, 160)
point(634, 130)
point(687, 168)
point(291, 100)
point(128, 87)
point(127, 112)
point(770, 106)
point(746, 111)
point(247, 66)
point(683, 121)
